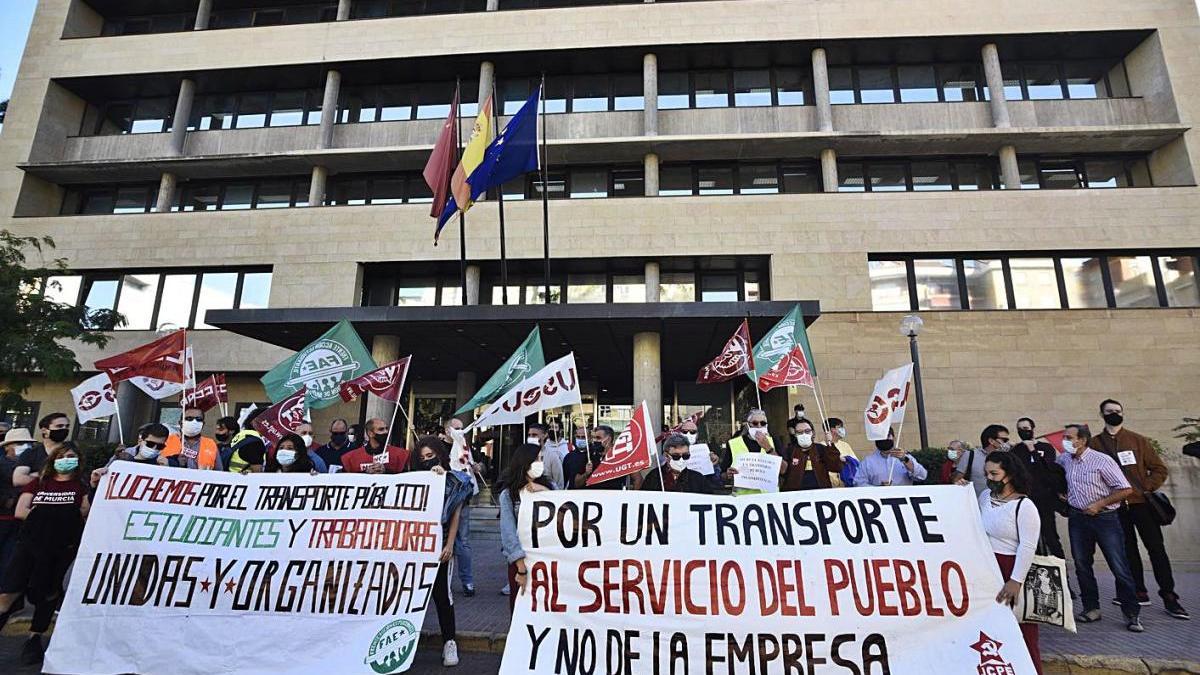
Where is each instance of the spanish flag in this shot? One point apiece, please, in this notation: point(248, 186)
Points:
point(481, 137)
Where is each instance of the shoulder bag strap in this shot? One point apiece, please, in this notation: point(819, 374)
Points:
point(970, 463)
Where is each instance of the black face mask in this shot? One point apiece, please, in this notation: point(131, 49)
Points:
point(338, 438)
point(58, 435)
point(222, 438)
point(428, 464)
point(380, 439)
point(1025, 434)
point(885, 445)
point(1113, 419)
point(597, 451)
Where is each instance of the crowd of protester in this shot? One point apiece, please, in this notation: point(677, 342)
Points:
point(1103, 484)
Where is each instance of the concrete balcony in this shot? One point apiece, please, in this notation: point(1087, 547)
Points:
point(722, 121)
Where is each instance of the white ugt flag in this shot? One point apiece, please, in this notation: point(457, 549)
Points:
point(95, 398)
point(554, 386)
point(887, 403)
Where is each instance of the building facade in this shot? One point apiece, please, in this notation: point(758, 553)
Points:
point(1021, 174)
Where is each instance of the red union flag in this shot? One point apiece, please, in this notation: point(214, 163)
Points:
point(632, 451)
point(386, 382)
point(208, 394)
point(282, 418)
point(735, 359)
point(162, 359)
point(792, 369)
point(888, 402)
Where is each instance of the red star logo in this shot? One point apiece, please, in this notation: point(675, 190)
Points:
point(229, 586)
point(989, 649)
point(205, 585)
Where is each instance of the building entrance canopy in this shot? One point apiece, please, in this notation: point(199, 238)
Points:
point(449, 339)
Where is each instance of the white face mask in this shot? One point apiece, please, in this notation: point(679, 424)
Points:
point(841, 432)
point(146, 452)
point(678, 465)
point(532, 440)
point(691, 438)
point(286, 457)
point(350, 438)
point(755, 431)
point(20, 449)
point(805, 440)
point(536, 470)
point(307, 438)
point(1068, 446)
point(952, 455)
point(192, 428)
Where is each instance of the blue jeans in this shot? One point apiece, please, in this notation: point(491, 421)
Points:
point(1104, 530)
point(462, 548)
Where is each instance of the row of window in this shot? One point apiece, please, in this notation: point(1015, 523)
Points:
point(164, 300)
point(1034, 281)
point(779, 86)
point(1046, 173)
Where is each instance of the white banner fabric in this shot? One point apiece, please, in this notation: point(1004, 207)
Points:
point(888, 402)
point(554, 386)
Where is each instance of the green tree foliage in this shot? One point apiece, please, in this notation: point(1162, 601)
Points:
point(33, 328)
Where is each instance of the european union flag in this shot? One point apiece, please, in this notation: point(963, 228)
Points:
point(513, 153)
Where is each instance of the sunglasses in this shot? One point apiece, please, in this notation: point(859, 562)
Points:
point(193, 419)
point(154, 445)
point(685, 456)
point(757, 425)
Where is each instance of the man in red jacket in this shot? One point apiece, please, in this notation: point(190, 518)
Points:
point(376, 456)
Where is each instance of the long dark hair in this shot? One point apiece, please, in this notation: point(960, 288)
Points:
point(303, 463)
point(439, 448)
point(1018, 475)
point(516, 475)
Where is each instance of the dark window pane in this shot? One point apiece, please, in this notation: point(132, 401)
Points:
point(917, 84)
point(516, 190)
point(590, 93)
point(1029, 174)
point(1118, 82)
point(1035, 285)
point(841, 85)
point(792, 85)
point(396, 103)
point(1179, 279)
point(1011, 72)
point(589, 183)
point(557, 181)
point(937, 284)
point(875, 85)
point(200, 197)
point(231, 18)
point(131, 200)
point(1133, 281)
point(718, 288)
point(889, 285)
point(554, 99)
point(1139, 170)
point(387, 190)
point(513, 94)
point(357, 105)
point(433, 100)
point(758, 179)
point(675, 180)
point(216, 112)
point(973, 176)
point(712, 89)
point(1043, 81)
point(96, 202)
point(237, 196)
point(1084, 284)
point(801, 178)
point(349, 192)
point(628, 93)
point(274, 194)
point(287, 109)
point(418, 191)
point(960, 82)
point(1085, 79)
point(715, 180)
point(153, 115)
point(850, 177)
point(1106, 173)
point(268, 17)
point(985, 284)
point(252, 111)
point(1059, 175)
point(672, 91)
point(928, 176)
point(751, 88)
point(887, 177)
point(628, 183)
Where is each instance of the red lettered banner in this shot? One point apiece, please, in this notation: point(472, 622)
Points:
point(632, 450)
point(282, 418)
point(870, 580)
point(386, 382)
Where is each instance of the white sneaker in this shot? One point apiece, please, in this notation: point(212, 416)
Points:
point(505, 590)
point(450, 653)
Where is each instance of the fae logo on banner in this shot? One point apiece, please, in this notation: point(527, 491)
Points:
point(870, 581)
point(175, 552)
point(322, 367)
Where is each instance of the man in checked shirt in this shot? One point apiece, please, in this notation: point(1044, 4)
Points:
point(1096, 486)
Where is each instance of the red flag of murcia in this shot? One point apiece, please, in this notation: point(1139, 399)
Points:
point(162, 359)
point(735, 359)
point(791, 370)
point(387, 382)
point(632, 451)
point(282, 418)
point(208, 394)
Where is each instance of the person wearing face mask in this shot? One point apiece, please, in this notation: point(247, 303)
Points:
point(808, 464)
point(338, 445)
point(305, 432)
point(227, 428)
point(524, 476)
point(584, 464)
point(1046, 481)
point(17, 442)
point(755, 437)
point(970, 470)
point(673, 474)
point(462, 541)
point(837, 431)
point(52, 508)
point(556, 442)
point(377, 455)
point(1013, 527)
point(53, 430)
point(538, 434)
point(577, 458)
point(191, 450)
point(1146, 472)
point(290, 456)
point(889, 465)
point(1096, 486)
point(152, 440)
point(954, 450)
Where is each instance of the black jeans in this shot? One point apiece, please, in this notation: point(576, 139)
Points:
point(444, 601)
point(1049, 533)
point(1139, 520)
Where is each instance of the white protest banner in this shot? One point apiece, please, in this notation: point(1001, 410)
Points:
point(867, 581)
point(757, 471)
point(887, 403)
point(554, 386)
point(263, 574)
point(94, 398)
point(700, 462)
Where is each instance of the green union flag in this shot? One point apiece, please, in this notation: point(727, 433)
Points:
point(780, 340)
point(527, 360)
point(337, 356)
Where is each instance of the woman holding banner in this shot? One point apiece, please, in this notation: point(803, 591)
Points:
point(53, 508)
point(290, 456)
point(1013, 528)
point(523, 477)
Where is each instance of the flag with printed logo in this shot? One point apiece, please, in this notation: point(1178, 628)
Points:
point(321, 368)
point(282, 418)
point(888, 402)
point(210, 393)
point(632, 451)
point(791, 370)
point(386, 382)
point(162, 359)
point(95, 397)
point(735, 359)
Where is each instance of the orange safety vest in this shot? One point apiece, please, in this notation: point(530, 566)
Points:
point(208, 451)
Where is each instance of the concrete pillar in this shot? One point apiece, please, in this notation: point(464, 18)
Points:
point(183, 112)
point(651, 174)
point(473, 276)
point(647, 375)
point(464, 389)
point(487, 80)
point(343, 13)
point(653, 278)
point(829, 170)
point(995, 84)
point(203, 14)
point(1010, 171)
point(650, 95)
point(316, 190)
point(130, 400)
point(333, 85)
point(821, 90)
point(166, 193)
point(493, 5)
point(384, 350)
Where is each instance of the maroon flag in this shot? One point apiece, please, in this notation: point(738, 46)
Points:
point(282, 418)
point(386, 382)
point(736, 359)
point(208, 394)
point(442, 161)
point(792, 369)
point(162, 359)
point(694, 418)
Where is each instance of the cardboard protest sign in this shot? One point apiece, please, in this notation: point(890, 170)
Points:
point(757, 471)
point(273, 564)
point(898, 580)
point(700, 462)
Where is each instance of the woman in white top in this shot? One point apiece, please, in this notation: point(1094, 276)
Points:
point(1013, 527)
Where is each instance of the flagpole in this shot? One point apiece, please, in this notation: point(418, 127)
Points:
point(545, 193)
point(117, 408)
point(500, 206)
point(462, 217)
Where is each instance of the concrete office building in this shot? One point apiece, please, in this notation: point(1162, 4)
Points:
point(1022, 174)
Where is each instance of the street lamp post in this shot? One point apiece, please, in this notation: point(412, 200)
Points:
point(911, 326)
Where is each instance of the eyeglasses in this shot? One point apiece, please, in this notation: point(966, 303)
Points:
point(153, 445)
point(193, 419)
point(757, 425)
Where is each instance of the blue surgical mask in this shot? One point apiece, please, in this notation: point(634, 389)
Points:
point(66, 464)
point(581, 443)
